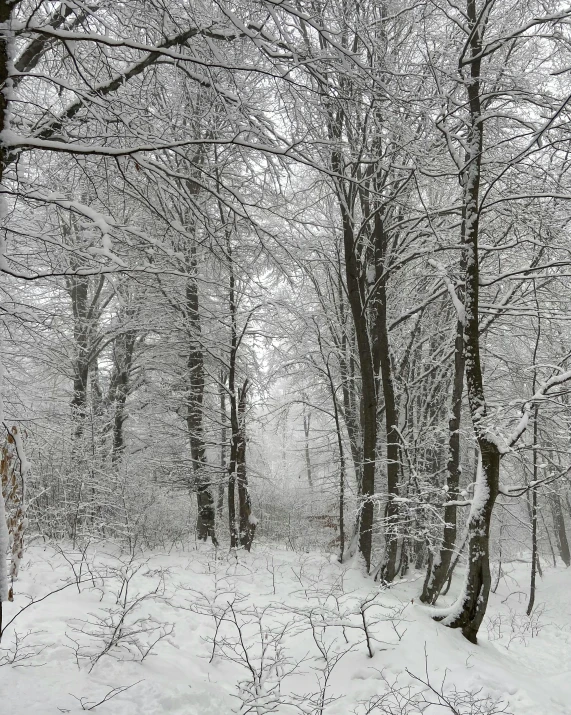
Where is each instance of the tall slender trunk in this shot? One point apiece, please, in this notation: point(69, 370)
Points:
point(205, 525)
point(534, 554)
point(382, 363)
point(5, 16)
point(306, 427)
point(440, 565)
point(469, 611)
point(247, 520)
point(355, 282)
point(368, 391)
point(123, 354)
point(78, 289)
point(347, 370)
point(560, 531)
point(242, 529)
point(234, 421)
point(342, 467)
point(223, 437)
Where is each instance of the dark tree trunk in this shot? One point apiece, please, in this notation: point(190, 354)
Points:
point(534, 554)
point(205, 525)
point(223, 438)
point(234, 420)
point(306, 427)
point(368, 389)
point(470, 608)
point(342, 467)
point(5, 14)
point(560, 531)
point(356, 284)
point(247, 520)
point(78, 289)
point(242, 529)
point(86, 311)
point(350, 402)
point(123, 353)
point(382, 363)
point(439, 566)
point(351, 413)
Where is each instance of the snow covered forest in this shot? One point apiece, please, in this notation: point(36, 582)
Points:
point(285, 357)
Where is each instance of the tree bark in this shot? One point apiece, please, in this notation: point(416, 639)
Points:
point(247, 520)
point(439, 566)
point(78, 289)
point(560, 531)
point(119, 388)
point(306, 427)
point(242, 530)
point(205, 525)
point(223, 437)
point(368, 391)
point(5, 16)
point(382, 363)
point(469, 610)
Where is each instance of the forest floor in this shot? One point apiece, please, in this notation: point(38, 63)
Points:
point(195, 633)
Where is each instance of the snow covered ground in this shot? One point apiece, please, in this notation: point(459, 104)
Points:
point(195, 633)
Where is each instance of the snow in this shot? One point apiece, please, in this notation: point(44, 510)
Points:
point(539, 396)
point(300, 616)
point(458, 305)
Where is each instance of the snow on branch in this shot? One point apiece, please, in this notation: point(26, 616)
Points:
point(451, 289)
point(528, 406)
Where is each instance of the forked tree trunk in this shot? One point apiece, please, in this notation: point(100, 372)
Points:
point(356, 285)
point(243, 528)
point(468, 611)
point(368, 390)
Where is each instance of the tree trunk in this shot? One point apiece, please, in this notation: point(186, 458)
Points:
point(368, 391)
point(247, 520)
point(534, 555)
point(347, 371)
point(560, 532)
point(341, 458)
point(242, 530)
point(123, 353)
point(205, 525)
point(439, 566)
point(5, 15)
point(382, 363)
point(223, 437)
point(306, 426)
point(78, 289)
point(469, 610)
